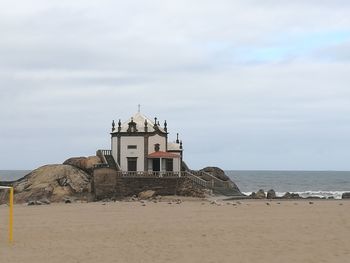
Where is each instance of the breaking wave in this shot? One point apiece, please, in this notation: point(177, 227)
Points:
point(306, 194)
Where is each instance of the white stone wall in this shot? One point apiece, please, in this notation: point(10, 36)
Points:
point(154, 140)
point(150, 165)
point(115, 148)
point(139, 152)
point(125, 152)
point(177, 164)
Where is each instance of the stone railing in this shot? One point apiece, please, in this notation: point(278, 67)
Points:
point(215, 182)
point(163, 174)
point(201, 178)
point(198, 180)
point(102, 154)
point(106, 152)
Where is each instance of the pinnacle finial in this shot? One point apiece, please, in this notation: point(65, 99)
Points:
point(146, 126)
point(113, 126)
point(119, 125)
point(139, 108)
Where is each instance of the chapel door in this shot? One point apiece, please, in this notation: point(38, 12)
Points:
point(156, 165)
point(132, 164)
point(169, 165)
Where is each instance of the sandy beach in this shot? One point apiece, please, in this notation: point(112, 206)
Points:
point(193, 231)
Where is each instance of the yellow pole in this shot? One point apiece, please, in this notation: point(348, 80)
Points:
point(11, 217)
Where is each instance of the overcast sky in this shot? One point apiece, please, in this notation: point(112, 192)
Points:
point(249, 84)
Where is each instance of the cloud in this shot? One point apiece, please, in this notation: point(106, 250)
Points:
point(248, 84)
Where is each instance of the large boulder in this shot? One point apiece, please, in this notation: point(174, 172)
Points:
point(146, 194)
point(85, 163)
point(346, 195)
point(260, 194)
point(289, 195)
point(217, 172)
point(271, 194)
point(53, 183)
point(225, 180)
point(184, 166)
point(252, 195)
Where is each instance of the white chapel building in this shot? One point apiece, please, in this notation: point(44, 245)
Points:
point(141, 145)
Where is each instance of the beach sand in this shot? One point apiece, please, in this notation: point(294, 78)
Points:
point(193, 231)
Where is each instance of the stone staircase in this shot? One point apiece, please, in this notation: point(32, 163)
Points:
point(218, 186)
point(111, 162)
point(107, 160)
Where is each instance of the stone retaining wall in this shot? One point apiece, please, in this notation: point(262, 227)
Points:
point(106, 184)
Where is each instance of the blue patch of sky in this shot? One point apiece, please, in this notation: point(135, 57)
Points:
point(284, 47)
point(294, 47)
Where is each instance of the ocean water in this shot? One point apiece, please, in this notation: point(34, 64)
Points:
point(11, 175)
point(306, 183)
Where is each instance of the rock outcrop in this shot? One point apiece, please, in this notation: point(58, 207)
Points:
point(346, 195)
point(271, 194)
point(77, 179)
point(258, 195)
point(146, 194)
point(223, 186)
point(84, 163)
point(53, 183)
point(289, 195)
point(217, 172)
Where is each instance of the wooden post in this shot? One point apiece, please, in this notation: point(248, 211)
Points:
point(11, 217)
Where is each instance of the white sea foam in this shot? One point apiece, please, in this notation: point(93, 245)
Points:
point(322, 194)
point(305, 194)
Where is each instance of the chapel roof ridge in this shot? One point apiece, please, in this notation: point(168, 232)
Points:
point(139, 118)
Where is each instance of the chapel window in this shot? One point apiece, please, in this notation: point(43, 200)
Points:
point(132, 147)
